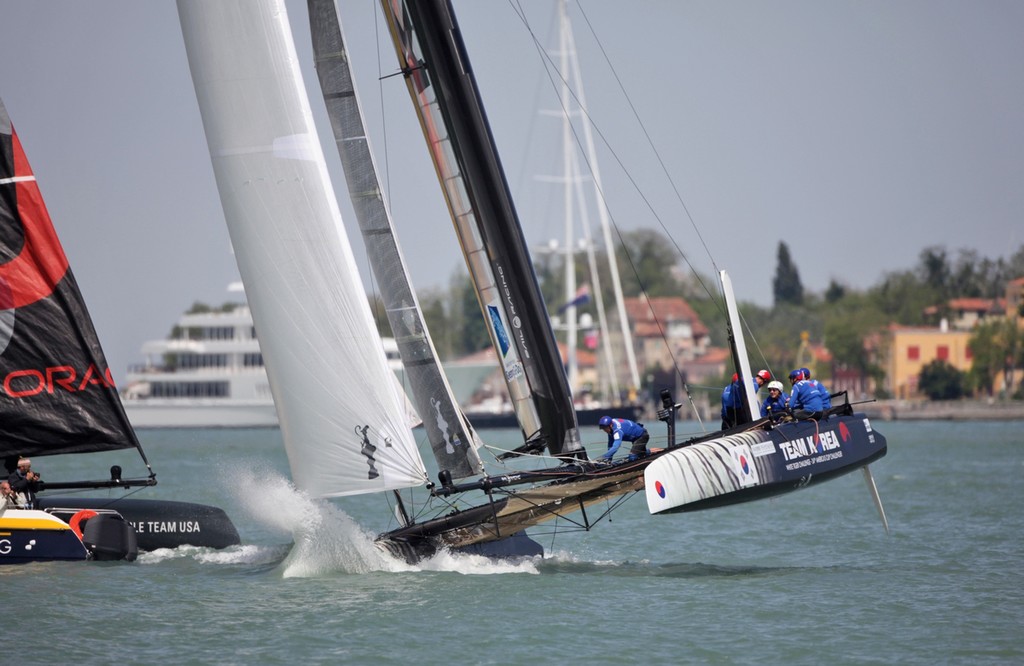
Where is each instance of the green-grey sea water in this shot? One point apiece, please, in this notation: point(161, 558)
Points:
point(808, 578)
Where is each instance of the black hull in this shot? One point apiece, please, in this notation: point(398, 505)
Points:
point(158, 523)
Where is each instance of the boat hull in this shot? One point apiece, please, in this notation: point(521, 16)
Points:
point(158, 523)
point(179, 413)
point(757, 464)
point(37, 536)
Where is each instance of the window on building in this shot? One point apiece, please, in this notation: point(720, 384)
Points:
point(189, 390)
point(913, 353)
point(942, 353)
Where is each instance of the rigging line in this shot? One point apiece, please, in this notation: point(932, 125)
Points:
point(647, 135)
point(550, 66)
point(546, 61)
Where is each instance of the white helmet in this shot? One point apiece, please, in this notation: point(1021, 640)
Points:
point(775, 385)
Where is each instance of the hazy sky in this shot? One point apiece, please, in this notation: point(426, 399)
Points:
point(858, 131)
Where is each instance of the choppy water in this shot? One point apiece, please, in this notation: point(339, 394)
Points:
point(807, 578)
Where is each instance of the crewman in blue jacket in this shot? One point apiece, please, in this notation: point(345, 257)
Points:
point(804, 396)
point(826, 397)
point(624, 430)
point(777, 403)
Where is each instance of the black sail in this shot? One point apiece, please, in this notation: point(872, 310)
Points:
point(56, 391)
point(436, 65)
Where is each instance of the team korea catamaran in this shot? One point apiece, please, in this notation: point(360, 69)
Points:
point(337, 402)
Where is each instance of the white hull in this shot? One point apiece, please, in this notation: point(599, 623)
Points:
point(186, 413)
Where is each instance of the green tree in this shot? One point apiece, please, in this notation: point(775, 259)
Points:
point(996, 347)
point(902, 297)
point(835, 292)
point(786, 286)
point(941, 381)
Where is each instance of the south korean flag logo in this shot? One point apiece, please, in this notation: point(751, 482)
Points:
point(743, 464)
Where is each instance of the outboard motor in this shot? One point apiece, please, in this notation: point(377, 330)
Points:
point(108, 536)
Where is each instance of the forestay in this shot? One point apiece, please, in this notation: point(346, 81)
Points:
point(341, 417)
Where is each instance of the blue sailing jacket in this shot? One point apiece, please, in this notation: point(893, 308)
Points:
point(806, 396)
point(622, 430)
point(775, 406)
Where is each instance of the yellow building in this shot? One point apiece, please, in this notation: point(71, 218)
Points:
point(909, 349)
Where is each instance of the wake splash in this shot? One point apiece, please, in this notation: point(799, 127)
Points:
point(328, 541)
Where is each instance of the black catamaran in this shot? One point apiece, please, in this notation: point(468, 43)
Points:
point(337, 401)
point(58, 397)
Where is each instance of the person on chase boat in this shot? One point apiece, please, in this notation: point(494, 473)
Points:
point(624, 430)
point(25, 482)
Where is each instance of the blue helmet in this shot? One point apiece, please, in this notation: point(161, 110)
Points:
point(605, 421)
point(796, 375)
point(806, 373)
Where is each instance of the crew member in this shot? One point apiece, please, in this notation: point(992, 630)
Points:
point(805, 401)
point(8, 498)
point(730, 402)
point(624, 430)
point(777, 403)
point(826, 397)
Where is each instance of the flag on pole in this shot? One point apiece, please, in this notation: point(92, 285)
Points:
point(582, 297)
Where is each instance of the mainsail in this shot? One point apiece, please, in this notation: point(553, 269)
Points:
point(341, 417)
point(57, 394)
point(440, 81)
point(452, 440)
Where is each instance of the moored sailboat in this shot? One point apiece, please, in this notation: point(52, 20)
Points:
point(58, 396)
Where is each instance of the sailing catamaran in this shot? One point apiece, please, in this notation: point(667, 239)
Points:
point(58, 397)
point(337, 405)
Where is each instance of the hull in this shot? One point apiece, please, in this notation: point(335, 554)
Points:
point(37, 536)
point(174, 413)
point(757, 464)
point(698, 474)
point(158, 523)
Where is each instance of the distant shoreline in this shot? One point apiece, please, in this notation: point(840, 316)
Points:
point(943, 410)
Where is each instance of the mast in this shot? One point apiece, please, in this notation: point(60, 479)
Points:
point(452, 440)
point(441, 83)
point(602, 210)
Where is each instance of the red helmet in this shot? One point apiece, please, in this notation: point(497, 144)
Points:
point(765, 375)
point(735, 376)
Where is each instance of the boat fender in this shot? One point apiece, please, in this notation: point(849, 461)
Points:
point(76, 520)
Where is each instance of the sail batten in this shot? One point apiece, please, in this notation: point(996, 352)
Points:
point(341, 416)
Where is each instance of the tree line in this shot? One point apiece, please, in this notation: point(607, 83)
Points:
point(839, 316)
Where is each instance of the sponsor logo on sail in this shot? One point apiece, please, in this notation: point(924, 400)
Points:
point(29, 382)
point(499, 330)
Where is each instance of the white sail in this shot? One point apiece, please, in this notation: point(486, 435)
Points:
point(342, 420)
